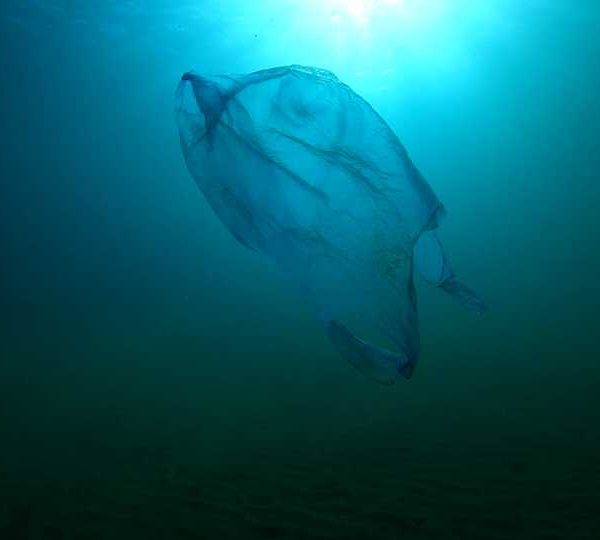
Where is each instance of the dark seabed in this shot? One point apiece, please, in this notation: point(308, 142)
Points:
point(158, 380)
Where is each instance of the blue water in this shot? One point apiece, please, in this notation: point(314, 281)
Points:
point(159, 380)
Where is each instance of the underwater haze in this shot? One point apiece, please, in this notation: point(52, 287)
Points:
point(159, 380)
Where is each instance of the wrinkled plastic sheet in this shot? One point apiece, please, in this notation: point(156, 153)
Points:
point(302, 169)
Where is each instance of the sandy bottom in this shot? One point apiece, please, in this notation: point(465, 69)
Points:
point(343, 488)
point(172, 450)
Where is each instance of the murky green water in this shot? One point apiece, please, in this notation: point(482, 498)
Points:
point(157, 380)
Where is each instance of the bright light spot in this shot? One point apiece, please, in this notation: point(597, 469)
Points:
point(361, 9)
point(414, 11)
point(417, 27)
point(396, 38)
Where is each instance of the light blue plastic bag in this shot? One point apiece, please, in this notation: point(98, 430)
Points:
point(302, 169)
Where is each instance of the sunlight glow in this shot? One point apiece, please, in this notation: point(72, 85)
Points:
point(406, 11)
point(386, 36)
point(382, 40)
